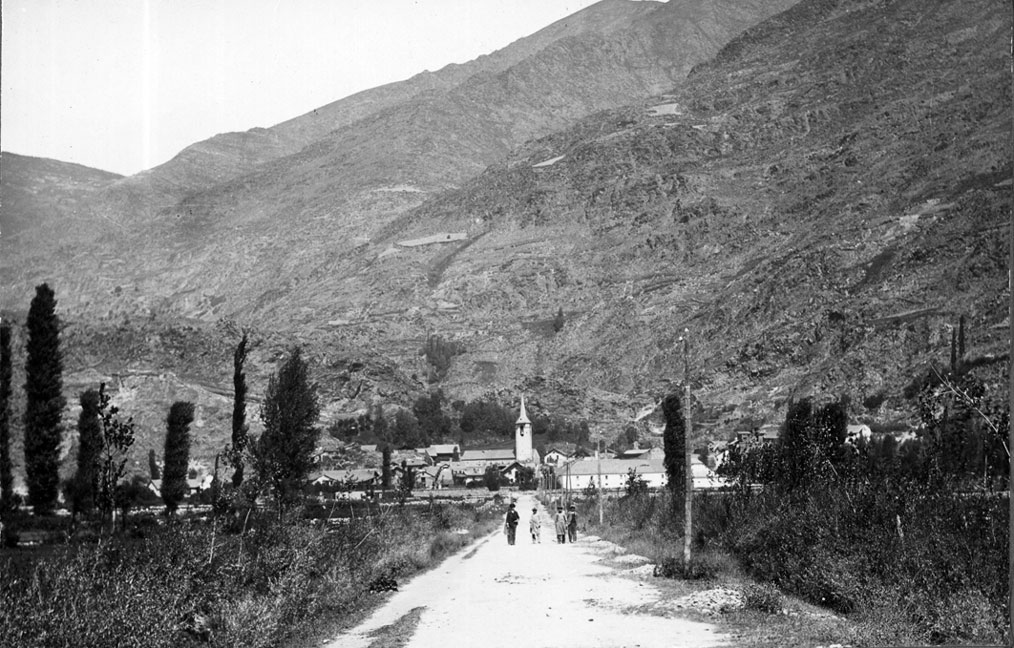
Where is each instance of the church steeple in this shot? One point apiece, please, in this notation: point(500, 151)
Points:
point(523, 436)
point(524, 415)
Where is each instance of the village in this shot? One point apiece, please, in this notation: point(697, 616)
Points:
point(346, 470)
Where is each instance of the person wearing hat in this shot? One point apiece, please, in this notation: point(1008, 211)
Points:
point(511, 523)
point(535, 526)
point(560, 523)
point(572, 522)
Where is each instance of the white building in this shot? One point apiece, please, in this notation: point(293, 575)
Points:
point(615, 473)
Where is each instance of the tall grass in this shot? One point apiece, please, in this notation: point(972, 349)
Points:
point(184, 584)
point(906, 564)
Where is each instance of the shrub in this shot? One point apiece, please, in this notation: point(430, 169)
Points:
point(703, 565)
point(763, 598)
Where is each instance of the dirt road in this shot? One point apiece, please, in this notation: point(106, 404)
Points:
point(527, 596)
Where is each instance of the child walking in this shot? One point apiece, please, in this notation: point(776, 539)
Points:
point(535, 526)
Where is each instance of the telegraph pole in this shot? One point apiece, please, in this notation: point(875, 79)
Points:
point(687, 473)
point(598, 454)
point(1010, 372)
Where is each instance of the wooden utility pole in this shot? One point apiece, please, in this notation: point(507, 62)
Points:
point(1010, 371)
point(598, 455)
point(688, 475)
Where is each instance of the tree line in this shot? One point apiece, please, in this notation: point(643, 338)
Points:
point(280, 458)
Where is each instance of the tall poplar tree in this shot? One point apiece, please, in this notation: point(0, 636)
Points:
point(44, 401)
point(89, 430)
point(6, 469)
point(177, 454)
point(239, 426)
point(283, 454)
point(674, 443)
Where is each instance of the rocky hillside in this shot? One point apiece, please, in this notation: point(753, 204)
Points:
point(817, 204)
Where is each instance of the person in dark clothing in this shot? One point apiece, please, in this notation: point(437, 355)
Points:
point(572, 523)
point(511, 524)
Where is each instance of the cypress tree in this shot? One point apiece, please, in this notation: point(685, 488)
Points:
point(283, 454)
point(153, 470)
point(44, 401)
point(239, 426)
point(6, 469)
point(795, 444)
point(89, 428)
point(674, 443)
point(385, 467)
point(177, 454)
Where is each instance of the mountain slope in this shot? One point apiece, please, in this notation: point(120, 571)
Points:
point(236, 248)
point(817, 204)
point(229, 155)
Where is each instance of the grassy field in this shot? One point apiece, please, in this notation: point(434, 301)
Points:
point(765, 615)
point(227, 582)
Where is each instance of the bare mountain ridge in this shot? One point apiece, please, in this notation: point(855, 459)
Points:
point(334, 193)
point(710, 207)
point(818, 204)
point(229, 155)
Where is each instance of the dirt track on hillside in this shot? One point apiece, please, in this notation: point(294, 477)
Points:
point(528, 596)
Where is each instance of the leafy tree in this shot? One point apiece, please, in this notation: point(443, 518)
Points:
point(283, 454)
point(348, 429)
point(428, 410)
point(482, 418)
point(558, 321)
point(583, 433)
point(239, 425)
point(492, 478)
point(407, 432)
point(177, 454)
point(89, 429)
point(127, 495)
point(6, 469)
point(439, 353)
point(526, 478)
point(635, 485)
point(117, 439)
point(631, 434)
point(44, 401)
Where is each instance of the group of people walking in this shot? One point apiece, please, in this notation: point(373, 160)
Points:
point(564, 523)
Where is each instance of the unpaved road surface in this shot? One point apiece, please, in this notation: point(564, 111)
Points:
point(528, 596)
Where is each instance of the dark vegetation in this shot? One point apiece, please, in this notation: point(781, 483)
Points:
point(177, 454)
point(254, 566)
point(257, 583)
point(44, 401)
point(907, 539)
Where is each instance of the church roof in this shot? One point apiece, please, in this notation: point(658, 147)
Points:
point(523, 418)
point(491, 454)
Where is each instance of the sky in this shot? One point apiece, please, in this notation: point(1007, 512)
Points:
point(124, 85)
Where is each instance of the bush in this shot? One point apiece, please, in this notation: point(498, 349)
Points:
point(763, 598)
point(704, 565)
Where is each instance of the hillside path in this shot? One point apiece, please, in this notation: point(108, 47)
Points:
point(527, 596)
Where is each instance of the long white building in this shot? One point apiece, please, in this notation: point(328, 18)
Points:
point(576, 475)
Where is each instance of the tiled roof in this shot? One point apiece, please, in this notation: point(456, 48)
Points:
point(492, 454)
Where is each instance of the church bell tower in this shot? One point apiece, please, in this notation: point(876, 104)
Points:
point(523, 436)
